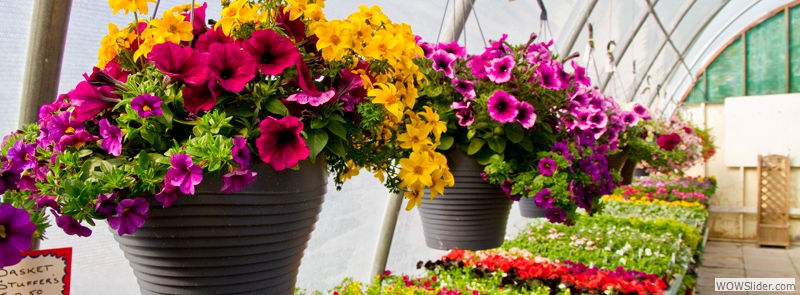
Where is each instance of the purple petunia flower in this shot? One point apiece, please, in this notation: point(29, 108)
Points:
point(167, 195)
point(549, 76)
point(580, 75)
point(280, 144)
point(184, 174)
point(237, 180)
point(443, 62)
point(106, 204)
point(547, 166)
point(586, 138)
point(112, 138)
point(556, 215)
point(229, 66)
point(62, 124)
point(17, 235)
point(47, 201)
point(561, 149)
point(313, 100)
point(272, 52)
point(240, 152)
point(506, 187)
point(464, 112)
point(9, 178)
point(131, 216)
point(642, 112)
point(183, 64)
point(499, 69)
point(544, 199)
point(453, 48)
point(601, 149)
point(598, 120)
point(526, 115)
point(465, 87)
point(503, 107)
point(22, 156)
point(146, 105)
point(70, 225)
point(630, 119)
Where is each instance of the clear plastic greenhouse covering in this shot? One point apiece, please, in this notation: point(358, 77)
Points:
point(649, 68)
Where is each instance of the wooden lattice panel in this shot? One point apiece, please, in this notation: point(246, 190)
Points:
point(774, 197)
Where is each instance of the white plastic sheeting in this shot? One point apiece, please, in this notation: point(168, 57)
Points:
point(346, 236)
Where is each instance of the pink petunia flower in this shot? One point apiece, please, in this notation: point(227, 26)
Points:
point(272, 52)
point(183, 64)
point(280, 144)
point(499, 69)
point(237, 180)
point(526, 115)
point(90, 101)
point(229, 66)
point(443, 62)
point(314, 100)
point(503, 107)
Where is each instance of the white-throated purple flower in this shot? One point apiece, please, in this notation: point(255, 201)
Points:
point(146, 105)
point(237, 180)
point(112, 138)
point(131, 216)
point(549, 76)
point(544, 199)
point(16, 230)
point(526, 115)
point(184, 174)
point(547, 166)
point(240, 152)
point(499, 69)
point(556, 215)
point(503, 107)
point(465, 87)
point(443, 62)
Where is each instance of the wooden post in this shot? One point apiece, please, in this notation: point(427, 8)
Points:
point(45, 51)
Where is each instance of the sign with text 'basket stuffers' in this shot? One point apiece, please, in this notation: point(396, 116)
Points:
point(41, 272)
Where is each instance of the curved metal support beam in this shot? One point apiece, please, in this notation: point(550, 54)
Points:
point(668, 38)
point(576, 29)
point(710, 41)
point(462, 10)
point(620, 51)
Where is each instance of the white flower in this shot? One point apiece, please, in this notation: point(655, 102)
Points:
point(622, 260)
point(648, 252)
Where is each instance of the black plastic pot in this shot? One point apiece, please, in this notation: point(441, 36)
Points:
point(528, 208)
point(617, 160)
point(471, 215)
point(627, 172)
point(249, 242)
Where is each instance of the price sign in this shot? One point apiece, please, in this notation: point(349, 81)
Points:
point(41, 272)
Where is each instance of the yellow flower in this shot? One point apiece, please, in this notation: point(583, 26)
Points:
point(417, 169)
point(352, 170)
point(296, 8)
point(386, 94)
point(314, 12)
point(437, 127)
point(441, 178)
point(334, 38)
point(384, 45)
point(109, 47)
point(415, 138)
point(361, 33)
point(408, 94)
point(173, 28)
point(129, 5)
point(181, 8)
point(373, 15)
point(414, 199)
point(150, 37)
point(236, 13)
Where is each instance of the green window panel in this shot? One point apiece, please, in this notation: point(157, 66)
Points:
point(794, 49)
point(698, 93)
point(766, 57)
point(725, 74)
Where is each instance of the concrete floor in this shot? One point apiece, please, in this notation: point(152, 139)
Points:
point(746, 260)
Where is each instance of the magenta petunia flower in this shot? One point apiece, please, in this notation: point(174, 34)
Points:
point(147, 105)
point(668, 142)
point(350, 90)
point(549, 76)
point(184, 174)
point(427, 49)
point(503, 107)
point(89, 100)
point(443, 62)
point(526, 115)
point(272, 52)
point(115, 70)
point(280, 144)
point(131, 216)
point(240, 152)
point(70, 225)
point(202, 97)
point(229, 66)
point(199, 24)
point(76, 140)
point(9, 178)
point(630, 119)
point(556, 215)
point(642, 112)
point(453, 48)
point(304, 77)
point(293, 28)
point(580, 75)
point(582, 118)
point(499, 69)
point(544, 198)
point(112, 138)
point(210, 37)
point(598, 120)
point(465, 87)
point(17, 235)
point(464, 111)
point(167, 195)
point(180, 63)
point(100, 77)
point(49, 110)
point(478, 64)
point(314, 100)
point(547, 166)
point(21, 155)
point(106, 204)
point(506, 187)
point(46, 202)
point(237, 180)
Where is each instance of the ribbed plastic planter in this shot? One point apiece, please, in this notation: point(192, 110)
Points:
point(471, 215)
point(528, 208)
point(617, 160)
point(249, 242)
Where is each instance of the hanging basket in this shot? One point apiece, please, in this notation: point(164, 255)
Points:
point(617, 160)
point(249, 242)
point(528, 208)
point(472, 215)
point(627, 172)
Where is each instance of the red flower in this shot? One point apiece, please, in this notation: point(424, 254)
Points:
point(272, 52)
point(181, 63)
point(280, 144)
point(668, 142)
point(229, 66)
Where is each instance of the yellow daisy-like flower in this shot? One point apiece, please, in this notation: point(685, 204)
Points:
point(238, 12)
point(109, 47)
point(296, 8)
point(314, 12)
point(441, 178)
point(361, 33)
point(334, 38)
point(352, 170)
point(173, 28)
point(150, 37)
point(386, 94)
point(408, 93)
point(129, 5)
point(416, 170)
point(384, 45)
point(181, 8)
point(373, 15)
point(437, 127)
point(415, 138)
point(414, 199)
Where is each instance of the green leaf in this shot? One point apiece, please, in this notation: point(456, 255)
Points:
point(446, 142)
point(526, 144)
point(143, 159)
point(275, 106)
point(337, 128)
point(514, 132)
point(316, 141)
point(484, 157)
point(497, 144)
point(73, 187)
point(475, 146)
point(147, 135)
point(84, 153)
point(317, 123)
point(336, 146)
